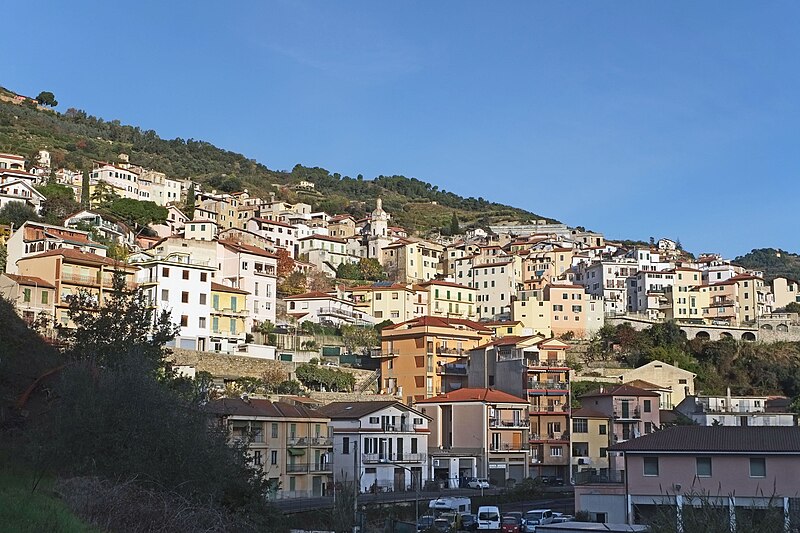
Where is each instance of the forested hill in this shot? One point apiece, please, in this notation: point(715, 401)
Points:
point(75, 138)
point(773, 262)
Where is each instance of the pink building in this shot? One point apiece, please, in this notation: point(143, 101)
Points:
point(741, 471)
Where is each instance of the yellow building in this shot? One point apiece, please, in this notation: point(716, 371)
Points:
point(291, 444)
point(390, 301)
point(228, 311)
point(414, 354)
point(590, 442)
point(505, 328)
point(450, 300)
point(412, 260)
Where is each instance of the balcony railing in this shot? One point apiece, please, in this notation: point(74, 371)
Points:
point(83, 280)
point(229, 311)
point(322, 441)
point(591, 477)
point(547, 385)
point(548, 363)
point(393, 457)
point(444, 350)
point(458, 369)
point(397, 427)
point(298, 441)
point(550, 436)
point(509, 424)
point(508, 447)
point(304, 468)
point(632, 414)
point(549, 409)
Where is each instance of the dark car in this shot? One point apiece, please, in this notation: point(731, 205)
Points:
point(424, 523)
point(442, 525)
point(511, 524)
point(469, 522)
point(550, 480)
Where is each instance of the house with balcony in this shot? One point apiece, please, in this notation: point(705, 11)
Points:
point(291, 444)
point(736, 411)
point(742, 472)
point(415, 354)
point(72, 272)
point(229, 314)
point(632, 412)
point(477, 432)
point(382, 444)
point(21, 191)
point(326, 308)
point(33, 238)
point(385, 300)
point(252, 269)
point(111, 231)
point(534, 368)
point(450, 300)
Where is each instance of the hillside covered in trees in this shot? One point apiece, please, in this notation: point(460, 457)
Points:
point(76, 138)
point(773, 262)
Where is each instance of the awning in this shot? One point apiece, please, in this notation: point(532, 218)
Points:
point(296, 451)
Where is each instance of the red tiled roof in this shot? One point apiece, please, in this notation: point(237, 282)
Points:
point(273, 222)
point(311, 296)
point(439, 322)
point(77, 255)
point(508, 340)
point(260, 407)
point(750, 440)
point(247, 248)
point(325, 238)
point(30, 281)
point(224, 288)
point(475, 395)
point(445, 284)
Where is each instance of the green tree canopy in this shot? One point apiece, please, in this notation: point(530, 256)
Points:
point(59, 202)
point(47, 98)
point(17, 213)
point(138, 212)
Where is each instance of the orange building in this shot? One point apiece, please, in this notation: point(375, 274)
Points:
point(415, 354)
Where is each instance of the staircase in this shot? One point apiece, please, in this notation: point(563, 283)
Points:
point(371, 380)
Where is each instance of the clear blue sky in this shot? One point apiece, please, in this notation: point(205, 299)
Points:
point(637, 119)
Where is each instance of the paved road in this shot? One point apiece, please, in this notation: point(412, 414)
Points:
point(556, 502)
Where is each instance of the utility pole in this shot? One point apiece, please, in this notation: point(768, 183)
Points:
point(356, 482)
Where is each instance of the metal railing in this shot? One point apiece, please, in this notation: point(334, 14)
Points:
point(305, 468)
point(394, 457)
point(509, 424)
point(549, 409)
point(508, 447)
point(588, 477)
point(547, 385)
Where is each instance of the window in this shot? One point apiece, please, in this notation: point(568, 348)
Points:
point(164, 295)
point(346, 446)
point(244, 265)
point(647, 406)
point(185, 274)
point(203, 276)
point(44, 297)
point(203, 299)
point(413, 445)
point(374, 420)
point(185, 297)
point(395, 296)
point(184, 321)
point(580, 425)
point(26, 295)
point(651, 466)
point(201, 322)
point(257, 457)
point(603, 452)
point(274, 430)
point(758, 467)
point(165, 272)
point(556, 451)
point(703, 466)
point(378, 296)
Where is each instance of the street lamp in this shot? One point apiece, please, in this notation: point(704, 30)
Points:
point(416, 488)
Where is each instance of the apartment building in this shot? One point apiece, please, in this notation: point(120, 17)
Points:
point(229, 313)
point(12, 162)
point(606, 279)
point(291, 444)
point(328, 309)
point(72, 272)
point(496, 284)
point(33, 238)
point(590, 441)
point(785, 291)
point(739, 300)
point(251, 269)
point(646, 292)
point(412, 260)
point(124, 181)
point(415, 354)
point(383, 444)
point(390, 301)
point(21, 191)
point(450, 300)
point(33, 298)
point(736, 411)
point(477, 432)
point(326, 252)
point(282, 234)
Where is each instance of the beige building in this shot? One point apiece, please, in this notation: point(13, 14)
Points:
point(450, 300)
point(33, 298)
point(412, 260)
point(738, 300)
point(591, 438)
point(390, 301)
point(785, 291)
point(291, 444)
point(477, 432)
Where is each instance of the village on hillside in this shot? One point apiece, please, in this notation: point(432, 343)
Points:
point(354, 349)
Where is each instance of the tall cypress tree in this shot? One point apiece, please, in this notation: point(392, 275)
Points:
point(85, 190)
point(188, 209)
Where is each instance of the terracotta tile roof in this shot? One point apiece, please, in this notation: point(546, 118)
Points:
point(273, 222)
point(501, 323)
point(260, 407)
point(30, 281)
point(475, 395)
point(622, 390)
point(311, 295)
point(224, 288)
point(325, 238)
point(720, 439)
point(77, 255)
point(646, 385)
point(508, 340)
point(445, 284)
point(439, 322)
point(247, 248)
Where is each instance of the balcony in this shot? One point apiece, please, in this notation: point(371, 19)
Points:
point(549, 363)
point(93, 281)
point(535, 437)
point(534, 385)
point(322, 441)
point(305, 468)
point(634, 414)
point(722, 302)
point(495, 423)
point(590, 477)
point(267, 273)
point(444, 350)
point(298, 441)
point(390, 428)
point(508, 447)
point(378, 458)
point(455, 369)
point(558, 409)
point(230, 311)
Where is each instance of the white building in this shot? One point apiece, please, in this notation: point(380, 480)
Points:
point(607, 280)
point(180, 284)
point(282, 234)
point(328, 309)
point(21, 191)
point(124, 181)
point(385, 443)
point(326, 253)
point(496, 283)
point(734, 411)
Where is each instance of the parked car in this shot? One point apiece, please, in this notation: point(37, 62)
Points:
point(469, 522)
point(518, 515)
point(424, 522)
point(481, 483)
point(442, 525)
point(549, 480)
point(537, 517)
point(559, 518)
point(511, 524)
point(489, 517)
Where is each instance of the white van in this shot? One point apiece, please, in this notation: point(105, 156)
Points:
point(489, 518)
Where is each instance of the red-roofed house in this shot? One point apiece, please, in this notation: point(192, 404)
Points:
point(33, 238)
point(32, 297)
point(254, 270)
point(479, 432)
point(282, 234)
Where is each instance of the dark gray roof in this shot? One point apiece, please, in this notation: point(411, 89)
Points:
point(622, 390)
point(260, 407)
point(356, 410)
point(719, 439)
